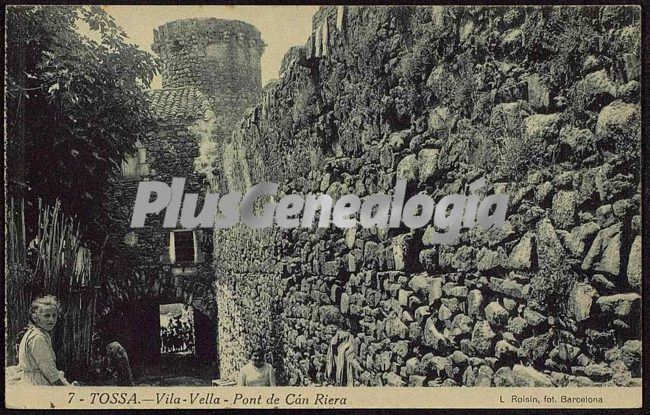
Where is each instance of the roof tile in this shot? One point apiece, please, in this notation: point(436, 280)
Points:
point(185, 103)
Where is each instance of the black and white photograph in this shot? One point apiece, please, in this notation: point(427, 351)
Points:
point(351, 201)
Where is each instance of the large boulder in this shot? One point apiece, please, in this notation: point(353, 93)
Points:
point(427, 163)
point(528, 376)
point(507, 287)
point(436, 289)
point(619, 125)
point(505, 350)
point(484, 376)
point(522, 254)
point(464, 258)
point(517, 326)
point(581, 299)
point(344, 304)
point(536, 347)
point(507, 117)
point(412, 366)
point(539, 95)
point(540, 128)
point(432, 365)
point(487, 260)
point(482, 338)
point(597, 89)
point(469, 377)
point(458, 358)
point(440, 118)
point(576, 241)
point(565, 353)
point(595, 372)
point(634, 273)
point(462, 324)
point(631, 356)
point(402, 247)
point(613, 184)
point(504, 377)
point(421, 284)
point(432, 337)
point(407, 169)
point(393, 379)
point(533, 317)
point(474, 302)
point(496, 314)
point(564, 209)
point(605, 252)
point(396, 328)
point(577, 144)
point(550, 252)
point(620, 304)
point(452, 290)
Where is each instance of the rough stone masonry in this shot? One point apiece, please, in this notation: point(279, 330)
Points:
point(543, 103)
point(209, 67)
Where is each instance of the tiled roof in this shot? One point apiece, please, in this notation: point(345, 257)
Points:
point(186, 103)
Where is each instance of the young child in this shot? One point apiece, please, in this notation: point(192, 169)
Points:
point(36, 357)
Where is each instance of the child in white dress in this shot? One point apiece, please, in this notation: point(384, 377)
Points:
point(36, 358)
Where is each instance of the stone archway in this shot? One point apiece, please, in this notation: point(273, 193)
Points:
point(198, 294)
point(129, 313)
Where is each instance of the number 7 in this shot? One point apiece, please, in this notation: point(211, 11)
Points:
point(71, 397)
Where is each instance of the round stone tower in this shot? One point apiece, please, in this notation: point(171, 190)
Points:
point(222, 58)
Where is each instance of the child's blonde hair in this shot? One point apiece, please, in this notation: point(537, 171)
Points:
point(44, 301)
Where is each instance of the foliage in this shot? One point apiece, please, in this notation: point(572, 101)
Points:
point(425, 46)
point(507, 150)
point(78, 105)
point(560, 38)
point(55, 264)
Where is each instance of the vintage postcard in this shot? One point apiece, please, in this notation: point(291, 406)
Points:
point(323, 207)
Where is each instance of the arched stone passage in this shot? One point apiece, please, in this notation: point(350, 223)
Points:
point(136, 326)
point(128, 313)
point(181, 289)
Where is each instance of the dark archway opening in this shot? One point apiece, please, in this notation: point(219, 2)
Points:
point(136, 326)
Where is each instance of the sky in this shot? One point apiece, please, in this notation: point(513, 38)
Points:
point(281, 26)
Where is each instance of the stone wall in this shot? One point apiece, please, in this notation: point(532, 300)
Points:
point(541, 102)
point(140, 263)
point(211, 74)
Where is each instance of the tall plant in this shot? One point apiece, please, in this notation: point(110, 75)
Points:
point(54, 262)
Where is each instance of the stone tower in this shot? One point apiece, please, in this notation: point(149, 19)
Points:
point(222, 58)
